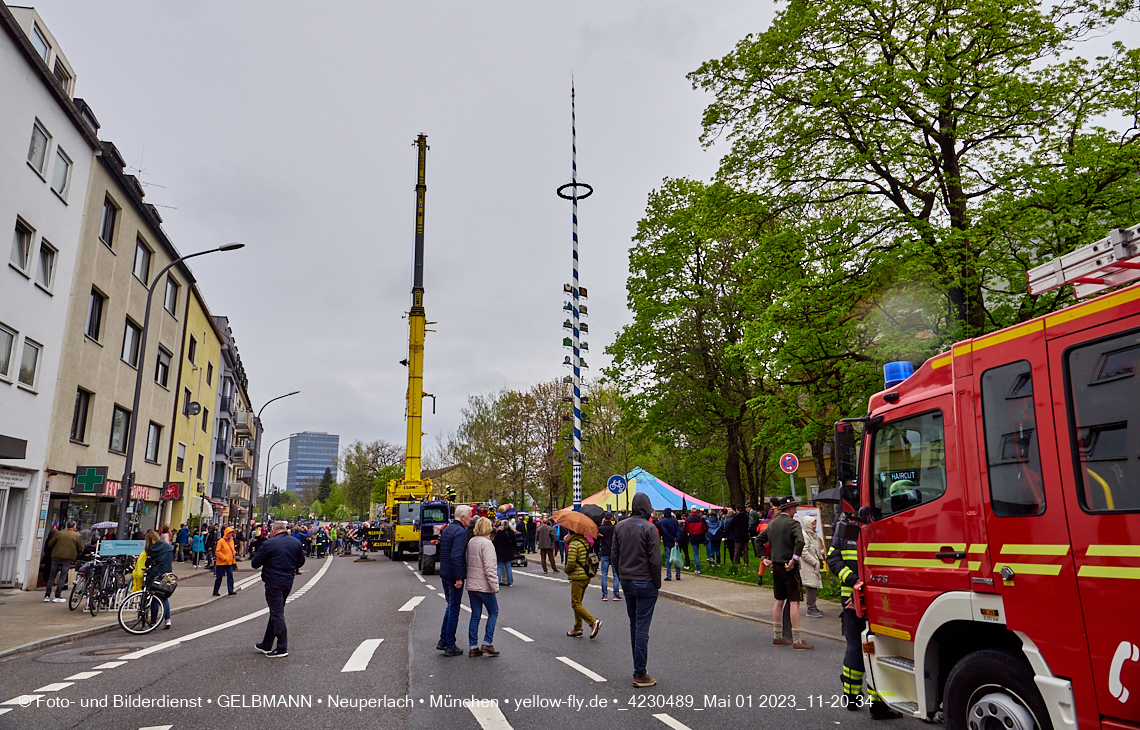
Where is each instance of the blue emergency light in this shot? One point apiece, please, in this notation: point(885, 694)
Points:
point(896, 372)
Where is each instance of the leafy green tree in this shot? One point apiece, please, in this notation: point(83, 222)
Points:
point(958, 138)
point(360, 462)
point(325, 486)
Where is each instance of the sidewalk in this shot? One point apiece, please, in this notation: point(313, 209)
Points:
point(29, 623)
point(747, 601)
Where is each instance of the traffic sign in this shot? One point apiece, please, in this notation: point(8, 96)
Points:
point(789, 463)
point(616, 484)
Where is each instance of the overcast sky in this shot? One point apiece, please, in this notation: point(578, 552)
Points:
point(289, 127)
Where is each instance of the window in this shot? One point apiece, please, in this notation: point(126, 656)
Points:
point(192, 351)
point(187, 398)
point(107, 224)
point(205, 420)
point(209, 374)
point(39, 42)
point(132, 334)
point(141, 267)
point(95, 315)
point(120, 426)
point(37, 150)
point(180, 460)
point(170, 301)
point(7, 344)
point(30, 363)
point(22, 246)
point(909, 464)
point(46, 273)
point(63, 76)
point(1012, 456)
point(153, 441)
point(200, 465)
point(162, 366)
point(1104, 425)
point(62, 174)
point(79, 415)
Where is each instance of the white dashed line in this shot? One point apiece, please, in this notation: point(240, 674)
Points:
point(411, 604)
point(575, 665)
point(441, 596)
point(490, 718)
point(671, 722)
point(110, 665)
point(22, 700)
point(358, 662)
point(54, 687)
point(543, 577)
point(524, 637)
point(420, 577)
point(5, 709)
point(156, 727)
point(84, 675)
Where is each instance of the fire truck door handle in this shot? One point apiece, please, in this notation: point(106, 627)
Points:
point(950, 556)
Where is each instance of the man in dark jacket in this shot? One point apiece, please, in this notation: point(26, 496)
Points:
point(504, 542)
point(279, 557)
point(670, 530)
point(636, 551)
point(738, 531)
point(453, 571)
point(64, 547)
point(696, 528)
point(786, 538)
point(605, 545)
point(530, 533)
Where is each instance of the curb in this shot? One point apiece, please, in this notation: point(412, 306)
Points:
point(689, 600)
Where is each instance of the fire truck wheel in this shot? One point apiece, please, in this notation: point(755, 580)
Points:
point(988, 690)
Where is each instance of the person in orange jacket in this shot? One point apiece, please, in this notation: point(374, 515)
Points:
point(224, 562)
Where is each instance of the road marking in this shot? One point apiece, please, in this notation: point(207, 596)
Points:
point(156, 727)
point(411, 604)
point(243, 584)
point(489, 718)
point(524, 637)
point(22, 700)
point(83, 675)
point(5, 709)
point(358, 662)
point(543, 577)
point(110, 665)
point(420, 577)
point(442, 596)
point(575, 665)
point(671, 722)
point(54, 687)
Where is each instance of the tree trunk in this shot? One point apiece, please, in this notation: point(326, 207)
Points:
point(732, 466)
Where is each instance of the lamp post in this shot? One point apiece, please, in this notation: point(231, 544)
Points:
point(265, 493)
point(128, 480)
point(257, 442)
point(269, 479)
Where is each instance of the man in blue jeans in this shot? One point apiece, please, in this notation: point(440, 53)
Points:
point(605, 543)
point(669, 531)
point(636, 551)
point(453, 571)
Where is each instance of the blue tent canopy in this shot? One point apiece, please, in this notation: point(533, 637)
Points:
point(662, 495)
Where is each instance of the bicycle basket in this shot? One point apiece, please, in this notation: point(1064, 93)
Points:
point(164, 585)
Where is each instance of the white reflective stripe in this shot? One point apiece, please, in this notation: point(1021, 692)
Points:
point(411, 603)
point(84, 675)
point(491, 717)
point(524, 637)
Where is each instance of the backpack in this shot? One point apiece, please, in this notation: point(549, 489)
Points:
point(593, 564)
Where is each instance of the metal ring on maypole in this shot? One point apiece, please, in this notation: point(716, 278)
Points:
point(575, 185)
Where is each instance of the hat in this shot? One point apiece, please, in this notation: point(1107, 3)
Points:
point(784, 502)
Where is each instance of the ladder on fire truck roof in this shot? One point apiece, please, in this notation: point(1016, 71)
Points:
point(1110, 262)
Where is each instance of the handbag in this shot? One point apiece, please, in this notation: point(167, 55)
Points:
point(164, 585)
point(675, 558)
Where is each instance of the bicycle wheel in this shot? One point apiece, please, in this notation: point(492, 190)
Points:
point(136, 611)
point(78, 591)
point(94, 597)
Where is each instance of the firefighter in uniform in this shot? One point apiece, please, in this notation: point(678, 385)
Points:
point(843, 561)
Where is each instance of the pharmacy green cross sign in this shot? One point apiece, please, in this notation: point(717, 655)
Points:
point(90, 480)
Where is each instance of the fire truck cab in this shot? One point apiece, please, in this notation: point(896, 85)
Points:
point(998, 495)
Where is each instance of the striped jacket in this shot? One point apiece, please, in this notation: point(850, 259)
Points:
point(844, 564)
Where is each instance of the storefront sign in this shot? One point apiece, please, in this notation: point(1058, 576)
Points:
point(172, 491)
point(13, 479)
point(91, 480)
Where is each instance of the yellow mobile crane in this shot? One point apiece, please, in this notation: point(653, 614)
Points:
point(400, 530)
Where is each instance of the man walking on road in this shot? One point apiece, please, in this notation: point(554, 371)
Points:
point(636, 551)
point(279, 557)
point(453, 571)
point(786, 538)
point(545, 537)
point(64, 546)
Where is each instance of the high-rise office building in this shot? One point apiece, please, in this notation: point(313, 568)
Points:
point(309, 455)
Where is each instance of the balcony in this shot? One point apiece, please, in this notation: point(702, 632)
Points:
point(237, 491)
point(243, 422)
point(226, 404)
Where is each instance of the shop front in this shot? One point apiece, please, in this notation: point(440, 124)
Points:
point(15, 488)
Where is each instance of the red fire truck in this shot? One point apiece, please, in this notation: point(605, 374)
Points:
point(997, 489)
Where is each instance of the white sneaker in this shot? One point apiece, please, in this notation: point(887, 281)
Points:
point(47, 599)
point(59, 600)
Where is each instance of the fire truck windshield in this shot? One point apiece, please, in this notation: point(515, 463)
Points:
point(909, 466)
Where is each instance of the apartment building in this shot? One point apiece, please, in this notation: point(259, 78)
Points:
point(47, 145)
point(237, 433)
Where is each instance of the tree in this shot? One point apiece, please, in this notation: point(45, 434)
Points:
point(953, 137)
point(360, 463)
point(324, 489)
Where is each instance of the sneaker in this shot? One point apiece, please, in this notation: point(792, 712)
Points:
point(617, 598)
point(441, 646)
point(604, 598)
point(802, 645)
point(668, 578)
point(59, 599)
point(475, 653)
point(276, 653)
point(881, 711)
point(489, 650)
point(644, 680)
point(232, 593)
point(262, 649)
point(595, 628)
point(574, 634)
point(453, 652)
point(167, 624)
point(47, 599)
point(215, 594)
point(781, 642)
point(815, 614)
point(698, 572)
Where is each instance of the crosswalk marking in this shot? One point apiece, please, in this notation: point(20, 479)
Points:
point(489, 718)
point(54, 687)
point(243, 584)
point(22, 700)
point(110, 665)
point(672, 722)
point(575, 665)
point(524, 637)
point(83, 675)
point(411, 604)
point(358, 662)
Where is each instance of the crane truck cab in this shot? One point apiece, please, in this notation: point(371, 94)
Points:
point(997, 491)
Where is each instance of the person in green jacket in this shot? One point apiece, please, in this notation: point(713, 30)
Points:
point(577, 551)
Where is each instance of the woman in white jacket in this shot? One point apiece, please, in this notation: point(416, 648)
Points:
point(811, 560)
point(482, 585)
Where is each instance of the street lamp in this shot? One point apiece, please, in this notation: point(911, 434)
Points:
point(132, 430)
point(257, 443)
point(269, 479)
point(265, 492)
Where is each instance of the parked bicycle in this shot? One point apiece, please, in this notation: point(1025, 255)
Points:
point(141, 612)
point(108, 583)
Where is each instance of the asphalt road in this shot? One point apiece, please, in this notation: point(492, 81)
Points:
point(713, 671)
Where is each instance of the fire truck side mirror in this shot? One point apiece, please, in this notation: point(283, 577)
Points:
point(863, 515)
